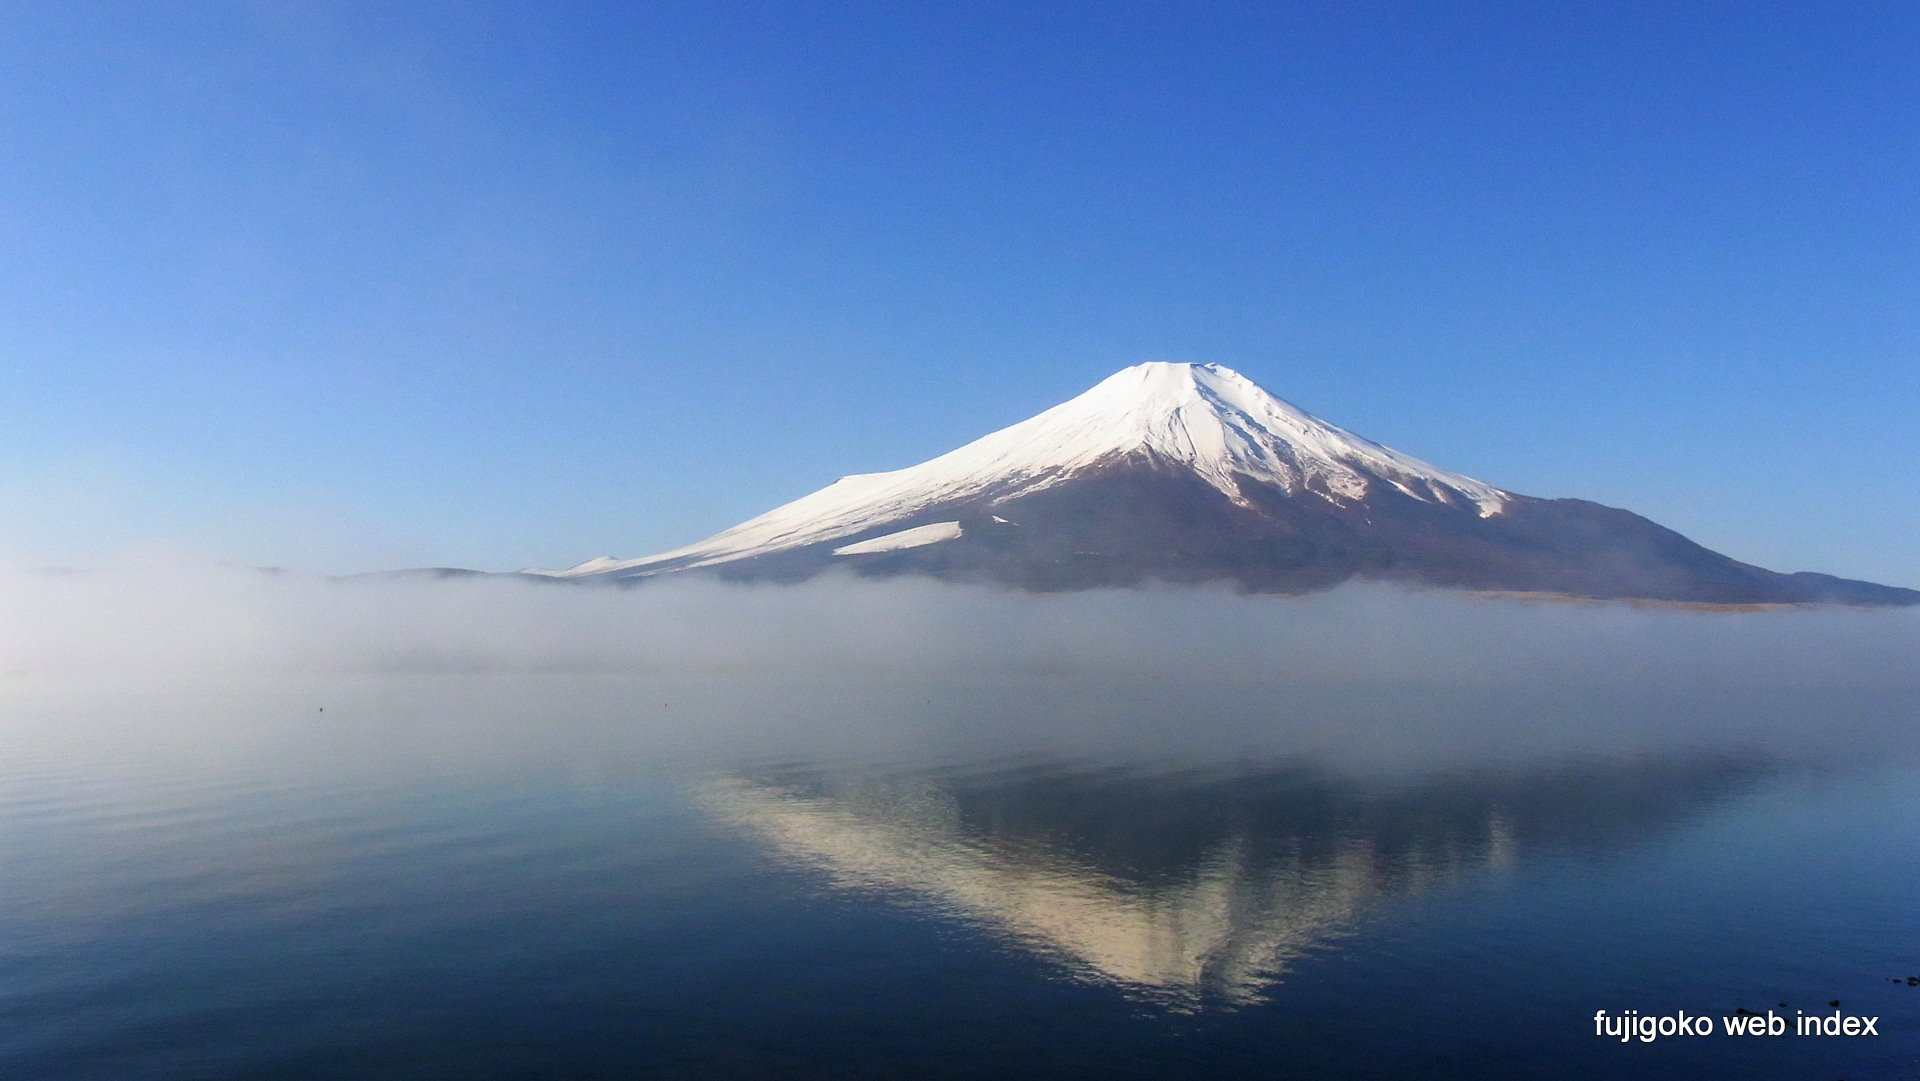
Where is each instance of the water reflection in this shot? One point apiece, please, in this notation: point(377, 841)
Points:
point(1198, 888)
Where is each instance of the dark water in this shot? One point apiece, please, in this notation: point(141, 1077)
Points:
point(612, 877)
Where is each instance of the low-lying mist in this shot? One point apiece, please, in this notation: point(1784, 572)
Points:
point(174, 623)
point(1364, 671)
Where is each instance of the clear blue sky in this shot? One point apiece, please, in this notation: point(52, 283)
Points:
point(345, 287)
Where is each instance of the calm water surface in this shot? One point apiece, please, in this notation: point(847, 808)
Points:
point(493, 876)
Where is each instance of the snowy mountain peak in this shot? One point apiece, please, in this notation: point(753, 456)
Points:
point(1192, 474)
point(1229, 429)
point(1203, 418)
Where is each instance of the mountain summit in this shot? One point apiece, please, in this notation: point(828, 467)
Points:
point(1193, 473)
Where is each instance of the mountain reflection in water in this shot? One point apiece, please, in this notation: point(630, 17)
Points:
point(1193, 889)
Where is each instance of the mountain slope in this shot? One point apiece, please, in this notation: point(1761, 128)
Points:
point(1193, 473)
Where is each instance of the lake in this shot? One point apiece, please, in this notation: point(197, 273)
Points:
point(864, 873)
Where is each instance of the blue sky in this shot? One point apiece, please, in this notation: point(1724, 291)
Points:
point(344, 287)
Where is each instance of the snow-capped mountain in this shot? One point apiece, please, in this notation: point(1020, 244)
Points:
point(1189, 472)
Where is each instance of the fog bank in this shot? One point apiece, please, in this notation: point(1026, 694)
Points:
point(176, 623)
point(482, 666)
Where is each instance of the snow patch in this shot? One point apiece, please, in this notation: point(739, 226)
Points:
point(917, 537)
point(591, 566)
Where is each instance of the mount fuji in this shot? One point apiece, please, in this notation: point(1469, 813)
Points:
point(1193, 473)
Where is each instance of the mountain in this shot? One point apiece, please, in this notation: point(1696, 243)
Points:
point(1194, 473)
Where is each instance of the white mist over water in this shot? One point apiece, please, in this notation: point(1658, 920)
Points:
point(175, 623)
point(1371, 672)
